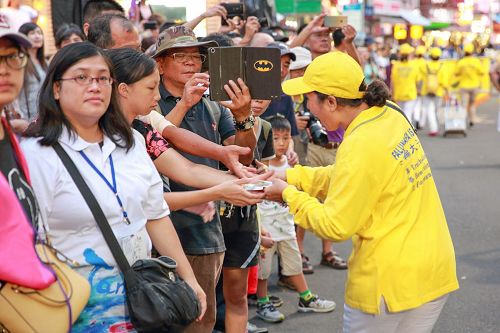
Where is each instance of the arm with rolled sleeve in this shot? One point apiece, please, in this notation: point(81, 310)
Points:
point(350, 198)
point(313, 181)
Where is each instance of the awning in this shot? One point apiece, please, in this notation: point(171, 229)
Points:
point(402, 16)
point(414, 18)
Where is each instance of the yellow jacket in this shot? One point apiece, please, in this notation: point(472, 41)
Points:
point(433, 67)
point(404, 79)
point(380, 193)
point(469, 71)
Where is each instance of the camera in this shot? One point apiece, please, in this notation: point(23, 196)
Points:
point(263, 22)
point(318, 134)
point(234, 10)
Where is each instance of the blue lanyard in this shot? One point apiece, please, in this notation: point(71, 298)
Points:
point(111, 187)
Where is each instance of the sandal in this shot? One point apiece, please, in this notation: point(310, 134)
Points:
point(307, 268)
point(331, 259)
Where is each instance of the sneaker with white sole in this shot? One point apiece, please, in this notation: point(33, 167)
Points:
point(251, 328)
point(253, 299)
point(316, 304)
point(267, 312)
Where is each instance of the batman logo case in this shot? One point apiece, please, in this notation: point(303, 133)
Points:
point(259, 67)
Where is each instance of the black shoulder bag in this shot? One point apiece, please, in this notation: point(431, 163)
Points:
point(158, 300)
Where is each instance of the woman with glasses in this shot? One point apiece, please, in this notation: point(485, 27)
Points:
point(381, 194)
point(27, 104)
point(18, 208)
point(79, 110)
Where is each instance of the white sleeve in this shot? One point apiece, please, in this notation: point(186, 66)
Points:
point(44, 170)
point(156, 120)
point(154, 205)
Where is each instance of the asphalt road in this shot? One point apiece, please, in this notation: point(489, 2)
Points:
point(467, 174)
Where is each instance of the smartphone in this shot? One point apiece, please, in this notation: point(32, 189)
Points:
point(335, 21)
point(234, 10)
point(150, 25)
point(259, 185)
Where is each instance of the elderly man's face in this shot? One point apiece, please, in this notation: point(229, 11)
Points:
point(178, 65)
point(123, 37)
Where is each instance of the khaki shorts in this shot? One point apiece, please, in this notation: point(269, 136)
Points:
point(318, 156)
point(291, 263)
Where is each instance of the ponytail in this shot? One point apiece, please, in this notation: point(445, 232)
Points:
point(376, 94)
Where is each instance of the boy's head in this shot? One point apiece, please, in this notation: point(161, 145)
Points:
point(282, 134)
point(259, 106)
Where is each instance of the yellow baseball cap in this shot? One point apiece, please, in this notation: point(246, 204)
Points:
point(420, 50)
point(334, 73)
point(406, 49)
point(436, 52)
point(469, 48)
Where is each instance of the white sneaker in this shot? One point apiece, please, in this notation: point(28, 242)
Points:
point(316, 304)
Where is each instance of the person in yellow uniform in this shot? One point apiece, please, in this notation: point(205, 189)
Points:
point(381, 194)
point(419, 62)
point(405, 77)
point(468, 73)
point(433, 89)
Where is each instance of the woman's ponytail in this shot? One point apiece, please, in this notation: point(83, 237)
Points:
point(377, 93)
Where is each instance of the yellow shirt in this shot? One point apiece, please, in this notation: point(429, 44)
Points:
point(433, 67)
point(404, 80)
point(469, 71)
point(380, 193)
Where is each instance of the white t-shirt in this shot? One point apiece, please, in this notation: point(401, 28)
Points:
point(69, 221)
point(275, 217)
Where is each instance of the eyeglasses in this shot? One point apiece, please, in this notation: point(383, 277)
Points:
point(185, 57)
point(15, 60)
point(85, 80)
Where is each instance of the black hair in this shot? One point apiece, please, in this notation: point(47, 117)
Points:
point(376, 94)
point(404, 57)
point(338, 37)
point(100, 29)
point(25, 29)
point(130, 65)
point(435, 58)
point(302, 27)
point(147, 42)
point(65, 31)
point(51, 119)
point(221, 39)
point(280, 123)
point(167, 25)
point(94, 8)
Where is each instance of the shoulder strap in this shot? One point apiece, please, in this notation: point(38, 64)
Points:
point(96, 210)
point(266, 128)
point(213, 109)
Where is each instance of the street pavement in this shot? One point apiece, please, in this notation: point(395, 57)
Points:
point(467, 174)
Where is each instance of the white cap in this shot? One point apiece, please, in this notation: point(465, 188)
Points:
point(18, 38)
point(304, 58)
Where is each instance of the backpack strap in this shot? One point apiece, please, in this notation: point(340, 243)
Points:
point(266, 128)
point(215, 113)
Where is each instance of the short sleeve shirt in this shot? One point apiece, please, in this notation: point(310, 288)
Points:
point(155, 143)
point(282, 106)
point(198, 238)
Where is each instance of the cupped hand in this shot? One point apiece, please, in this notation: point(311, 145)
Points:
point(275, 191)
point(230, 158)
point(206, 211)
point(216, 10)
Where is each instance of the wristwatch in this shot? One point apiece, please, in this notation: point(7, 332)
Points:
point(244, 125)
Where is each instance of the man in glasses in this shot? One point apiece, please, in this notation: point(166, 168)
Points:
point(180, 59)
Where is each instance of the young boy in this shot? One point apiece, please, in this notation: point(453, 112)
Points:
point(278, 222)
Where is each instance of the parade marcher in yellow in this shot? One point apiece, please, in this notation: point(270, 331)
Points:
point(405, 77)
point(433, 89)
point(468, 73)
point(381, 194)
point(419, 61)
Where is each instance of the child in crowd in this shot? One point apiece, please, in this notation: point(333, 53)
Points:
point(278, 222)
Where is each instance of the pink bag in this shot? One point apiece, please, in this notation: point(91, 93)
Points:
point(20, 263)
